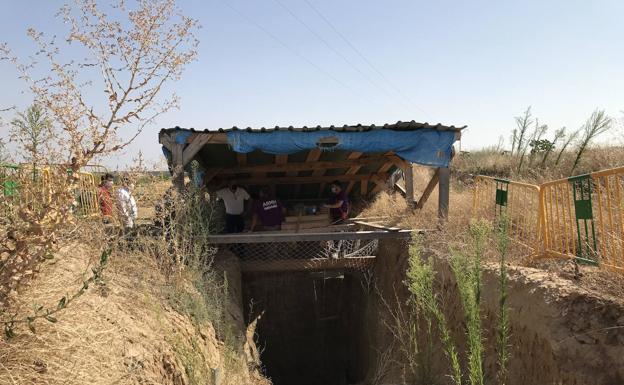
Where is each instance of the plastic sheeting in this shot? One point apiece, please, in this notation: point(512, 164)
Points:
point(428, 147)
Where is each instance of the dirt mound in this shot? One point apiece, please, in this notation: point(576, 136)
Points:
point(124, 332)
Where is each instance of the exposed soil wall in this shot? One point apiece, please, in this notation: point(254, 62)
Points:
point(560, 334)
point(124, 330)
point(312, 328)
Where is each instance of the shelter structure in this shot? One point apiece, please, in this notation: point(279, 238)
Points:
point(299, 164)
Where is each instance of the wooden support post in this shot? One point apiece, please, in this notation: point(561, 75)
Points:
point(177, 155)
point(409, 183)
point(428, 190)
point(443, 190)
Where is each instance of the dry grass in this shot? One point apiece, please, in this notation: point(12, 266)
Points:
point(492, 162)
point(142, 325)
point(391, 208)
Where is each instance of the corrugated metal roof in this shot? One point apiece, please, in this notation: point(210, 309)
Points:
point(398, 126)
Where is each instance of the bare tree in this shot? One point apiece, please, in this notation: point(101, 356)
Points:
point(536, 137)
point(559, 135)
point(514, 139)
point(519, 134)
point(31, 130)
point(97, 104)
point(598, 123)
point(571, 138)
point(135, 51)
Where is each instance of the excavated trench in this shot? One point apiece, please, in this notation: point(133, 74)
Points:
point(312, 326)
point(331, 327)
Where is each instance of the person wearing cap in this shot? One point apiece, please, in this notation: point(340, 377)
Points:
point(234, 198)
point(268, 210)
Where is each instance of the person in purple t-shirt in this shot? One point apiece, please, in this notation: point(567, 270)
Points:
point(269, 211)
point(338, 203)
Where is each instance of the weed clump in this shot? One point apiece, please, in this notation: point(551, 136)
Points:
point(425, 299)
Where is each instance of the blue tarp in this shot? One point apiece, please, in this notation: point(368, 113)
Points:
point(429, 147)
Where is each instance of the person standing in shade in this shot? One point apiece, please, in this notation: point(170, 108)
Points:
point(338, 203)
point(269, 211)
point(234, 198)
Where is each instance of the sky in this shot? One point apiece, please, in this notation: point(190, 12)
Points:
point(310, 62)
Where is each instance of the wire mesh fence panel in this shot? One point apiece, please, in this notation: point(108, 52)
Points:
point(305, 255)
point(325, 250)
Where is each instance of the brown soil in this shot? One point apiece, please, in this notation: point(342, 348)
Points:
point(563, 331)
point(122, 332)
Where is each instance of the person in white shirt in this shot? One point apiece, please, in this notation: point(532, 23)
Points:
point(234, 198)
point(126, 204)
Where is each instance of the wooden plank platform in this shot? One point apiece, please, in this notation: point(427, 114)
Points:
point(268, 237)
point(306, 218)
point(283, 265)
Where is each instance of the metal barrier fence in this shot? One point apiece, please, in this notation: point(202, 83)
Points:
point(584, 215)
point(581, 217)
point(87, 195)
point(21, 185)
point(9, 176)
point(518, 202)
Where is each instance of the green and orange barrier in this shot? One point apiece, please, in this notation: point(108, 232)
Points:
point(581, 217)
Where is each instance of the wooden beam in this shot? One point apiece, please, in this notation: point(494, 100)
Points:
point(215, 137)
point(166, 140)
point(305, 237)
point(195, 143)
point(305, 179)
point(177, 152)
point(363, 187)
point(409, 184)
point(313, 156)
point(376, 226)
point(241, 158)
point(319, 172)
point(280, 161)
point(281, 166)
point(390, 158)
point(210, 174)
point(353, 170)
point(282, 265)
point(398, 161)
point(443, 192)
point(429, 189)
point(381, 185)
